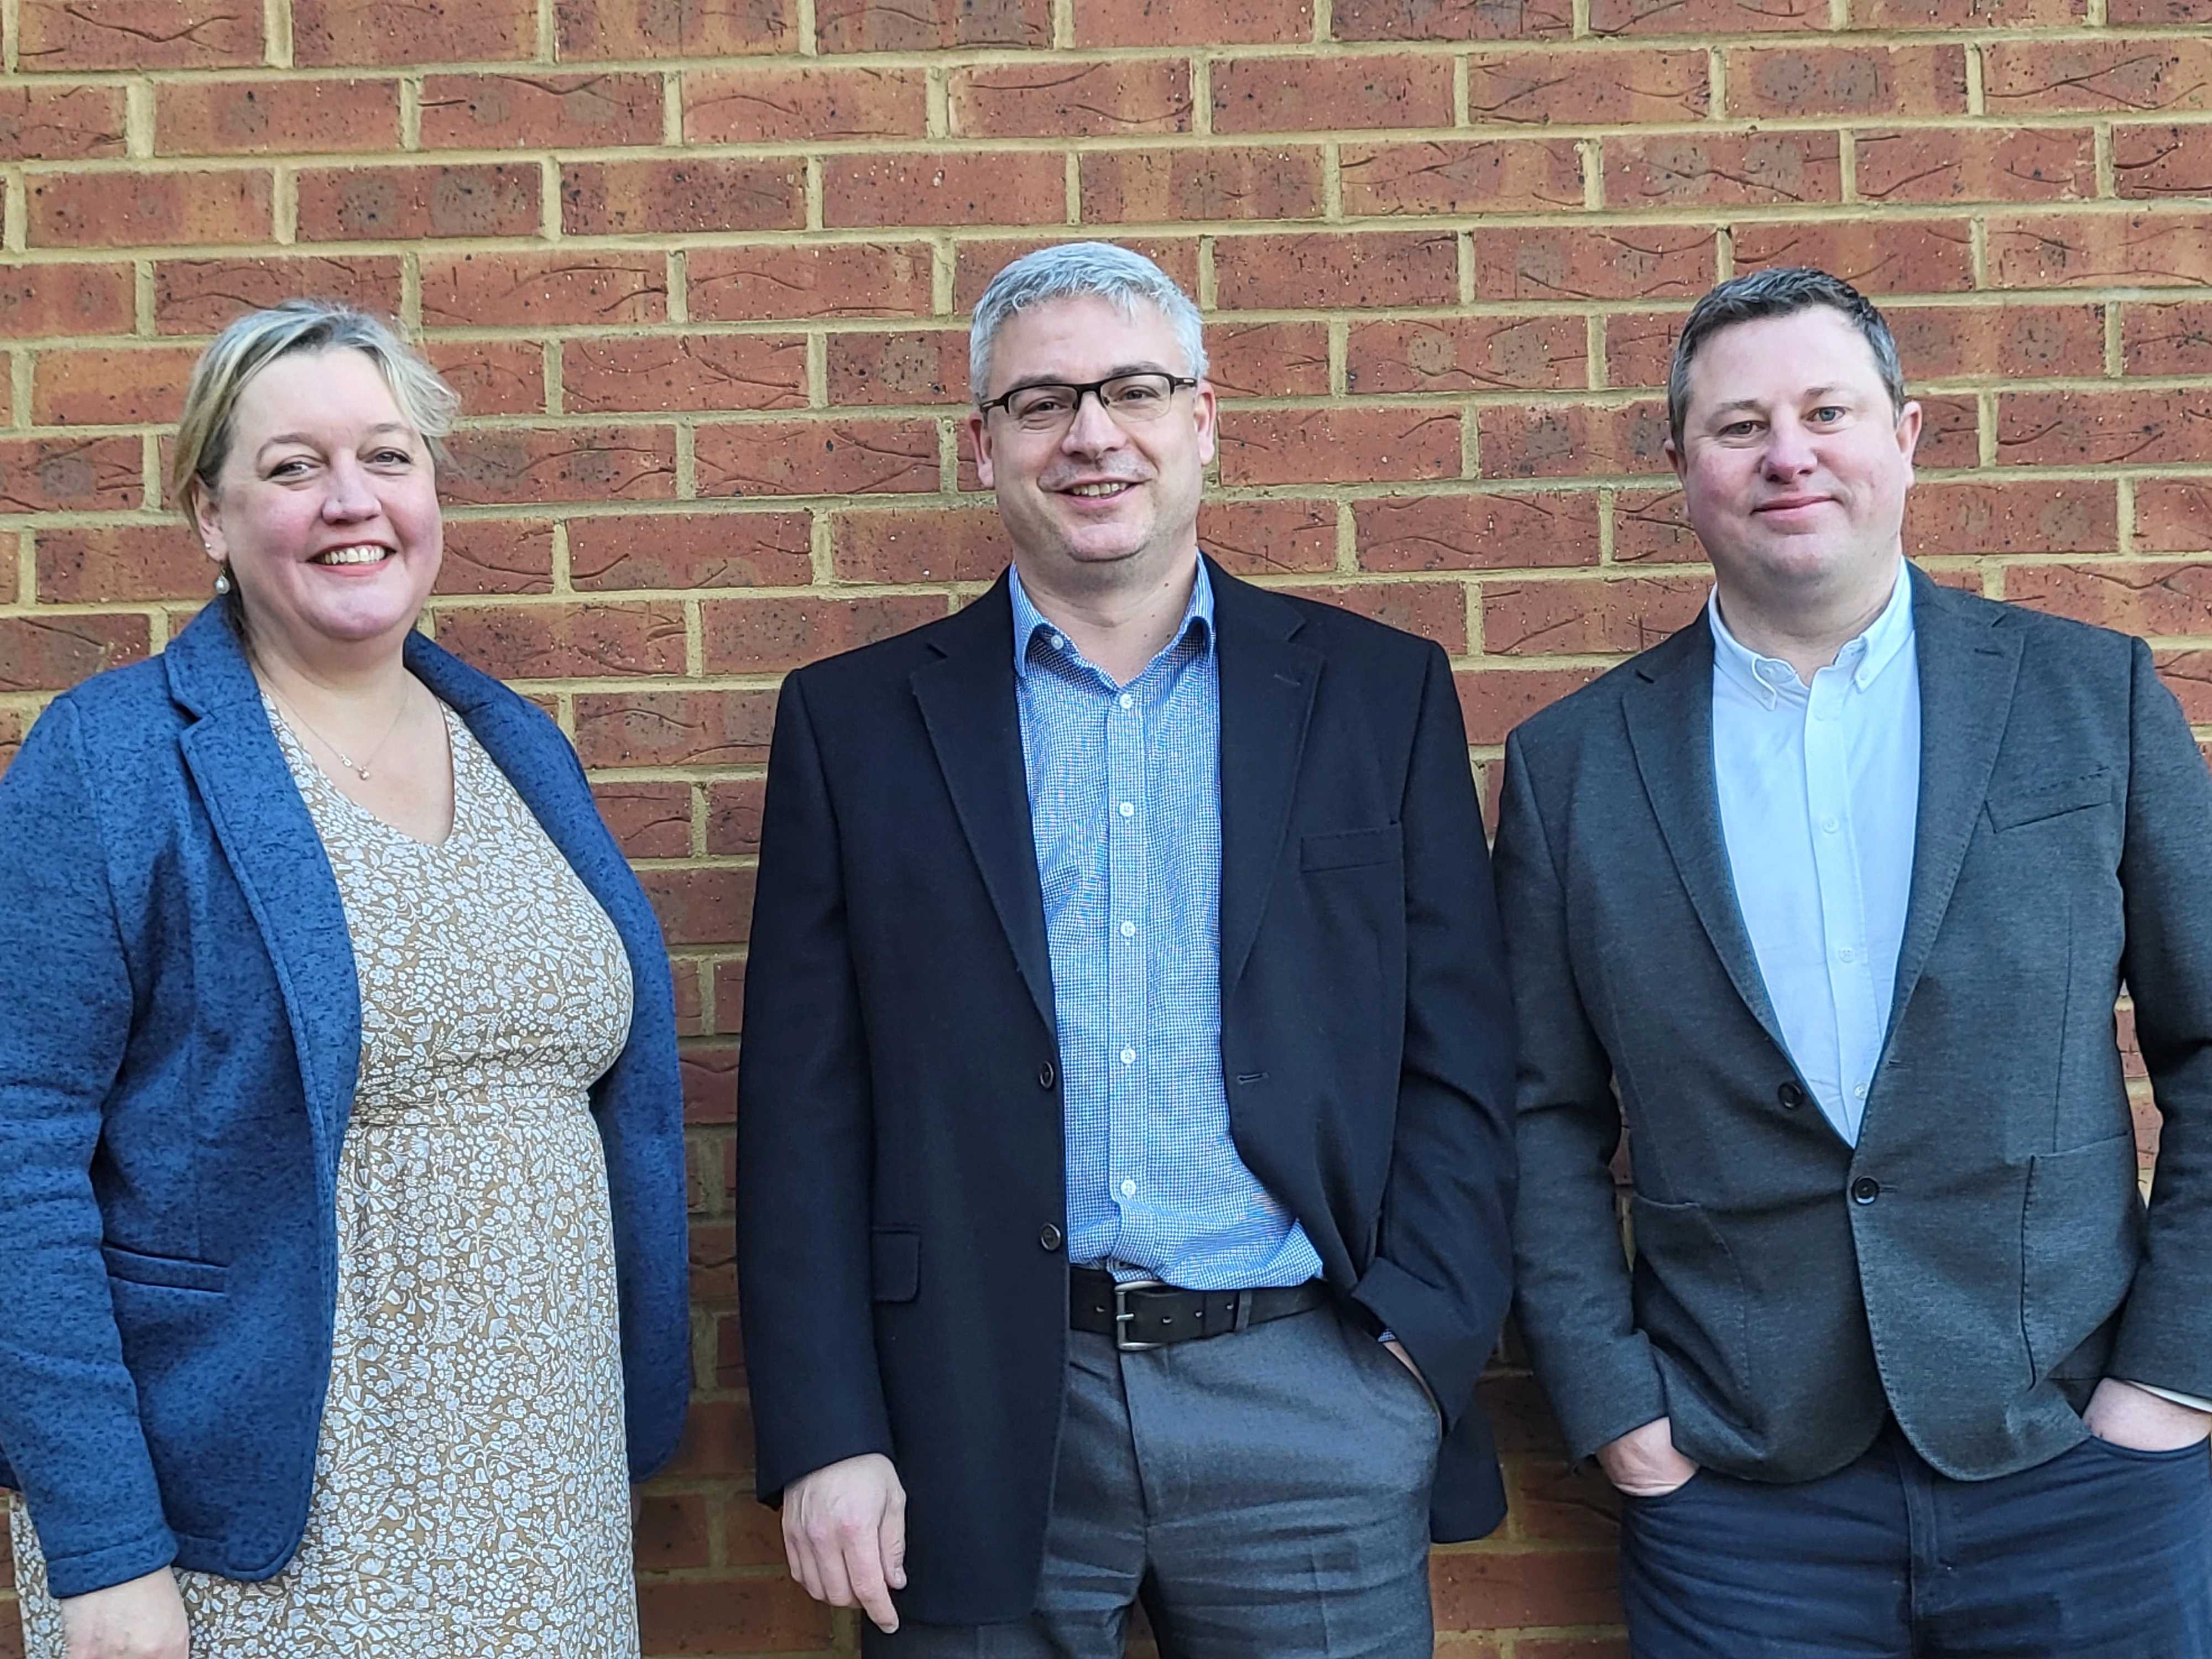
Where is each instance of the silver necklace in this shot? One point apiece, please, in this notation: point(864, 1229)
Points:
point(359, 768)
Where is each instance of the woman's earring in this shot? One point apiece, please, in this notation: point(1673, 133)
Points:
point(222, 582)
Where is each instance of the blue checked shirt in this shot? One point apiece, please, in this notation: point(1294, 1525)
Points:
point(1125, 806)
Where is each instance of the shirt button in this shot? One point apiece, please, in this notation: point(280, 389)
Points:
point(1859, 1093)
point(1129, 1056)
point(1845, 954)
point(1048, 1074)
point(1128, 929)
point(1129, 1189)
point(1865, 1189)
point(1128, 809)
point(1830, 825)
point(1050, 1238)
point(1059, 642)
point(1126, 701)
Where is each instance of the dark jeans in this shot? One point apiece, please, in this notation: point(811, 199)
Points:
point(2100, 1553)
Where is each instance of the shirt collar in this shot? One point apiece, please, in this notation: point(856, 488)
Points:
point(1865, 657)
point(1029, 621)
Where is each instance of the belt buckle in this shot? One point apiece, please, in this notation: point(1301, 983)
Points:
point(1123, 1341)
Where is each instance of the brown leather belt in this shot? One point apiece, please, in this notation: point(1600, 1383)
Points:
point(1144, 1313)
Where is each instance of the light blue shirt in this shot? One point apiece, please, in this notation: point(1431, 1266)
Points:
point(1125, 810)
point(1820, 795)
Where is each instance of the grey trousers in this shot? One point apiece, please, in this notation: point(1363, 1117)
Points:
point(1269, 1493)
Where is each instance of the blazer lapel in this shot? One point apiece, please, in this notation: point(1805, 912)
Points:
point(1670, 726)
point(1268, 681)
point(270, 841)
point(967, 700)
point(1968, 668)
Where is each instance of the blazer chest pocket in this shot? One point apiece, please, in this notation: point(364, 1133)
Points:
point(2039, 800)
point(895, 1263)
point(1351, 849)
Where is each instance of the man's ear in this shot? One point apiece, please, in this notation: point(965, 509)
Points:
point(1908, 429)
point(978, 428)
point(1674, 459)
point(1208, 409)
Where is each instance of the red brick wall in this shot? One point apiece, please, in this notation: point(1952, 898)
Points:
point(700, 267)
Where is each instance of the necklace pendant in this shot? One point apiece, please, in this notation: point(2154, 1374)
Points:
point(361, 772)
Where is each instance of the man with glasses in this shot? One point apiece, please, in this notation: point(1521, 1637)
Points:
point(1124, 1157)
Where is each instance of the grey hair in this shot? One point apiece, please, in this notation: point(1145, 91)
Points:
point(1779, 291)
point(1070, 271)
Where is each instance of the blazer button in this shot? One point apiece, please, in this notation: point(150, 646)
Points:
point(1047, 1076)
point(1050, 1237)
point(1791, 1096)
point(1866, 1189)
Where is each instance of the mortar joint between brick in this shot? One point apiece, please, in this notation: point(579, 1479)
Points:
point(1976, 99)
point(410, 112)
point(411, 292)
point(1462, 93)
point(821, 556)
point(695, 640)
point(687, 463)
point(1597, 371)
point(1847, 166)
point(941, 272)
point(1985, 420)
point(817, 369)
point(149, 470)
point(139, 119)
point(1840, 15)
point(672, 108)
point(815, 191)
point(548, 34)
point(1716, 83)
point(562, 574)
point(1470, 455)
point(1201, 95)
point(1589, 154)
point(810, 39)
point(1578, 20)
point(1724, 253)
point(15, 233)
point(2127, 514)
point(550, 365)
point(1071, 186)
point(2115, 354)
point(11, 34)
point(1463, 242)
point(1324, 21)
point(1207, 292)
point(284, 207)
point(1063, 24)
point(1339, 356)
point(2107, 163)
point(549, 198)
point(676, 274)
point(19, 398)
point(937, 103)
point(698, 800)
point(1331, 181)
point(276, 32)
point(948, 457)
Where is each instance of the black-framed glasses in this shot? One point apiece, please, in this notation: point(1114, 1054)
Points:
point(1050, 406)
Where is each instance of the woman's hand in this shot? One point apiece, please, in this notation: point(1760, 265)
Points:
point(142, 1620)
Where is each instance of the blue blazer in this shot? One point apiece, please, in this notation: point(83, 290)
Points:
point(179, 1035)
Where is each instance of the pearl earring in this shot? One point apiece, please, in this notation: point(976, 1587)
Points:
point(222, 584)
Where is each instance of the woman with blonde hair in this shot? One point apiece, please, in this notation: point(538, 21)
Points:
point(340, 1164)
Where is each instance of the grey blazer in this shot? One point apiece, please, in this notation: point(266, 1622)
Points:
point(1982, 1257)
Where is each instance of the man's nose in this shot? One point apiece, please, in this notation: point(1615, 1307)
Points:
point(1090, 429)
point(1789, 449)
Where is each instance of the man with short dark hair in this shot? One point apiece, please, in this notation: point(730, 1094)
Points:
point(1825, 902)
point(1124, 1119)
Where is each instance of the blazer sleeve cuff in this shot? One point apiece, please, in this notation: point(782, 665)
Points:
point(80, 1572)
point(1432, 1329)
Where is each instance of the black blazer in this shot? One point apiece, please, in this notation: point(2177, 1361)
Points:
point(1981, 1257)
point(901, 1169)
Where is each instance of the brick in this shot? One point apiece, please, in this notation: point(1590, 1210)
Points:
point(734, 827)
point(928, 366)
point(1574, 1647)
point(1477, 531)
point(1649, 527)
point(710, 1096)
point(753, 636)
point(756, 1614)
point(704, 907)
point(1468, 354)
point(648, 821)
point(2152, 12)
point(839, 279)
point(1118, 98)
point(598, 288)
point(637, 728)
point(1178, 23)
point(698, 193)
point(928, 25)
point(1268, 359)
point(1269, 538)
point(2153, 599)
point(347, 33)
point(561, 641)
point(1462, 177)
point(974, 263)
point(1702, 17)
point(1503, 1589)
point(1639, 262)
point(1452, 20)
point(262, 118)
point(1640, 346)
point(119, 564)
point(69, 475)
point(499, 466)
point(65, 299)
point(383, 204)
point(104, 387)
point(1339, 446)
point(590, 30)
point(777, 105)
point(945, 187)
point(2104, 429)
point(1151, 185)
point(2174, 161)
point(1555, 1503)
point(1321, 269)
point(672, 1530)
point(1950, 433)
point(1330, 94)
point(2098, 250)
point(1433, 610)
point(688, 550)
point(11, 547)
point(836, 456)
point(1968, 13)
point(493, 377)
point(1946, 342)
point(498, 556)
point(2173, 516)
point(1739, 169)
point(617, 374)
point(1493, 701)
point(1879, 257)
point(1847, 81)
point(1585, 85)
point(1980, 164)
point(2132, 76)
point(51, 653)
point(538, 111)
point(138, 34)
point(1565, 440)
point(2166, 339)
point(927, 545)
point(1968, 516)
point(141, 210)
point(60, 123)
point(198, 296)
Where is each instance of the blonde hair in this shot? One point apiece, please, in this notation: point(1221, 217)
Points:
point(258, 339)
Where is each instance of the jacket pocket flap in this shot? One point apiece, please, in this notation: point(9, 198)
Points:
point(2011, 808)
point(1349, 848)
point(895, 1263)
point(174, 1272)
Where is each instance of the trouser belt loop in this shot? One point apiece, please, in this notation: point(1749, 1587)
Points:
point(1242, 1322)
